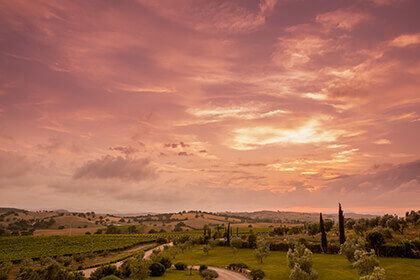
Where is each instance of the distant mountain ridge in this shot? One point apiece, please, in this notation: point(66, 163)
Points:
point(290, 216)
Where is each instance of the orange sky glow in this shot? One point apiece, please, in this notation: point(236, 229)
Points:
point(239, 105)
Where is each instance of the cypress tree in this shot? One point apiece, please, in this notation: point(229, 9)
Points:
point(323, 235)
point(237, 231)
point(228, 235)
point(341, 224)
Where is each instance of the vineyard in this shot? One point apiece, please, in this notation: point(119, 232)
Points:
point(15, 248)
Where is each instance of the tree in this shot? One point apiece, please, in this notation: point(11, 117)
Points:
point(299, 261)
point(252, 241)
point(341, 224)
point(360, 227)
point(312, 228)
point(206, 249)
point(324, 244)
point(262, 249)
point(236, 242)
point(375, 239)
point(365, 262)
point(103, 271)
point(157, 269)
point(228, 235)
point(350, 247)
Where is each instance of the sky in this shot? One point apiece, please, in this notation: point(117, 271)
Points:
point(156, 106)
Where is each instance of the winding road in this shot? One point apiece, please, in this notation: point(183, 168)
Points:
point(224, 274)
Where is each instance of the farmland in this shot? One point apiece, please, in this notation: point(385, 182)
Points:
point(17, 248)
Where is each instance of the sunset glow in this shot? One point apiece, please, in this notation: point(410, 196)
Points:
point(155, 106)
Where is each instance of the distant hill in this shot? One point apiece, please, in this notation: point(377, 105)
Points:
point(289, 216)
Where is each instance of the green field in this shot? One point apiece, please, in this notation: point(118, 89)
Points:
point(329, 267)
point(24, 247)
point(172, 274)
point(15, 248)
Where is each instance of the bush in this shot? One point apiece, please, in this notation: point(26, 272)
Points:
point(166, 262)
point(257, 274)
point(202, 267)
point(349, 247)
point(5, 270)
point(237, 265)
point(157, 269)
point(180, 266)
point(111, 277)
point(365, 262)
point(208, 274)
point(377, 274)
point(103, 271)
point(279, 246)
point(161, 240)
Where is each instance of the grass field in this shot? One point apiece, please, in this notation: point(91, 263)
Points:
point(172, 274)
point(23, 247)
point(329, 267)
point(15, 248)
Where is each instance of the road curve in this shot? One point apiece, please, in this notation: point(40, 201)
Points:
point(226, 274)
point(89, 271)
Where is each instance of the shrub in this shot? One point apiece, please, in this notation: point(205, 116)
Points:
point(377, 274)
point(157, 269)
point(208, 274)
point(111, 277)
point(180, 266)
point(299, 261)
point(365, 262)
point(103, 271)
point(298, 273)
point(161, 240)
point(349, 247)
point(257, 274)
point(202, 267)
point(5, 270)
point(279, 246)
point(237, 265)
point(166, 262)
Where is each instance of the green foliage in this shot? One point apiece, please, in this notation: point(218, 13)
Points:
point(23, 247)
point(203, 266)
point(180, 266)
point(299, 274)
point(157, 269)
point(257, 274)
point(103, 271)
point(252, 241)
point(365, 262)
point(323, 234)
point(236, 242)
point(111, 277)
point(209, 274)
point(52, 271)
point(206, 249)
point(262, 249)
point(300, 256)
point(375, 239)
point(377, 274)
point(135, 268)
point(341, 224)
point(349, 247)
point(5, 270)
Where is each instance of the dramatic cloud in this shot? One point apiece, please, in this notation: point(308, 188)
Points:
point(116, 167)
point(172, 104)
